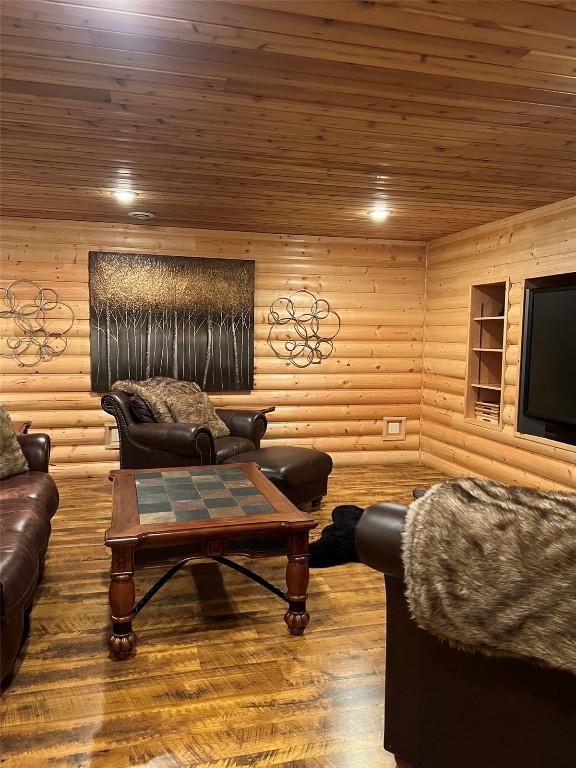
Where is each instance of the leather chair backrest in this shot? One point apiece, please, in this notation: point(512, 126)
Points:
point(139, 410)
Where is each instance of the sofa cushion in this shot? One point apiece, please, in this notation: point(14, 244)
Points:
point(12, 460)
point(196, 409)
point(289, 466)
point(37, 488)
point(27, 521)
point(231, 446)
point(19, 571)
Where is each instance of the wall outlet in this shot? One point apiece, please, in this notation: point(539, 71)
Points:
point(394, 428)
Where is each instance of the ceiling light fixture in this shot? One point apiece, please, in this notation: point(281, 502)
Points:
point(379, 213)
point(124, 195)
point(141, 215)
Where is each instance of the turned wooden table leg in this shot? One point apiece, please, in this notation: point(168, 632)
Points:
point(122, 595)
point(297, 617)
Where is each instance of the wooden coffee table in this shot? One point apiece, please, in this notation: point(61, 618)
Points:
point(170, 516)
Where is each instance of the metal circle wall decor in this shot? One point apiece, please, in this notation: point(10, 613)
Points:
point(44, 320)
point(306, 344)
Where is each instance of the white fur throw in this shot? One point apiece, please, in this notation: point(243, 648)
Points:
point(492, 568)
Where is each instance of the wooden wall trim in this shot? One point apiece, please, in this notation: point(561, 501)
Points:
point(99, 230)
point(517, 222)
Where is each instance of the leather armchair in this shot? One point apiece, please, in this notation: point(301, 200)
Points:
point(149, 444)
point(445, 708)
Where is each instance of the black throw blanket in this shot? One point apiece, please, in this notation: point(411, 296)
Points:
point(336, 544)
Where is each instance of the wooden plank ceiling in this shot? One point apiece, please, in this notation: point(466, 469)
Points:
point(293, 116)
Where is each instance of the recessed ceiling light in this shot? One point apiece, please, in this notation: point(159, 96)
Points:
point(141, 215)
point(379, 213)
point(124, 195)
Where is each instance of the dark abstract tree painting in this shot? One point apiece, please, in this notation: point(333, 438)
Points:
point(186, 318)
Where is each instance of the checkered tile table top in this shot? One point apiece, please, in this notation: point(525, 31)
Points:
point(187, 495)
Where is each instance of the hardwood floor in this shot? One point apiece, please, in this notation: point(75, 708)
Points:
point(217, 681)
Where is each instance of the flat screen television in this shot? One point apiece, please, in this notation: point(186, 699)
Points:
point(549, 358)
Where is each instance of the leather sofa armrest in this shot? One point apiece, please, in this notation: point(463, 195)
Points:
point(379, 538)
point(251, 425)
point(184, 439)
point(36, 449)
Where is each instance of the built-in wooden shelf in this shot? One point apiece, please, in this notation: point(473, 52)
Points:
point(486, 347)
point(487, 412)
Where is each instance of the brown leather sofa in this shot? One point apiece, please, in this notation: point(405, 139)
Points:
point(445, 708)
point(27, 503)
point(145, 443)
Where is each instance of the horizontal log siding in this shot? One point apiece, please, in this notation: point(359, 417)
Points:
point(376, 286)
point(534, 244)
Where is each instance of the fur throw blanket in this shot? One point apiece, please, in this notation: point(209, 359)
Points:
point(155, 392)
point(492, 568)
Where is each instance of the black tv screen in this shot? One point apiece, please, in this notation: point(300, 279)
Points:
point(550, 348)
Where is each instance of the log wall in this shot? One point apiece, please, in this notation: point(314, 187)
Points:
point(538, 243)
point(376, 286)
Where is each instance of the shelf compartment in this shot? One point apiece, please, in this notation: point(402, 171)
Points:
point(487, 411)
point(486, 348)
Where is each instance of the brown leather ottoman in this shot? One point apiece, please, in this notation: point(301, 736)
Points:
point(300, 473)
